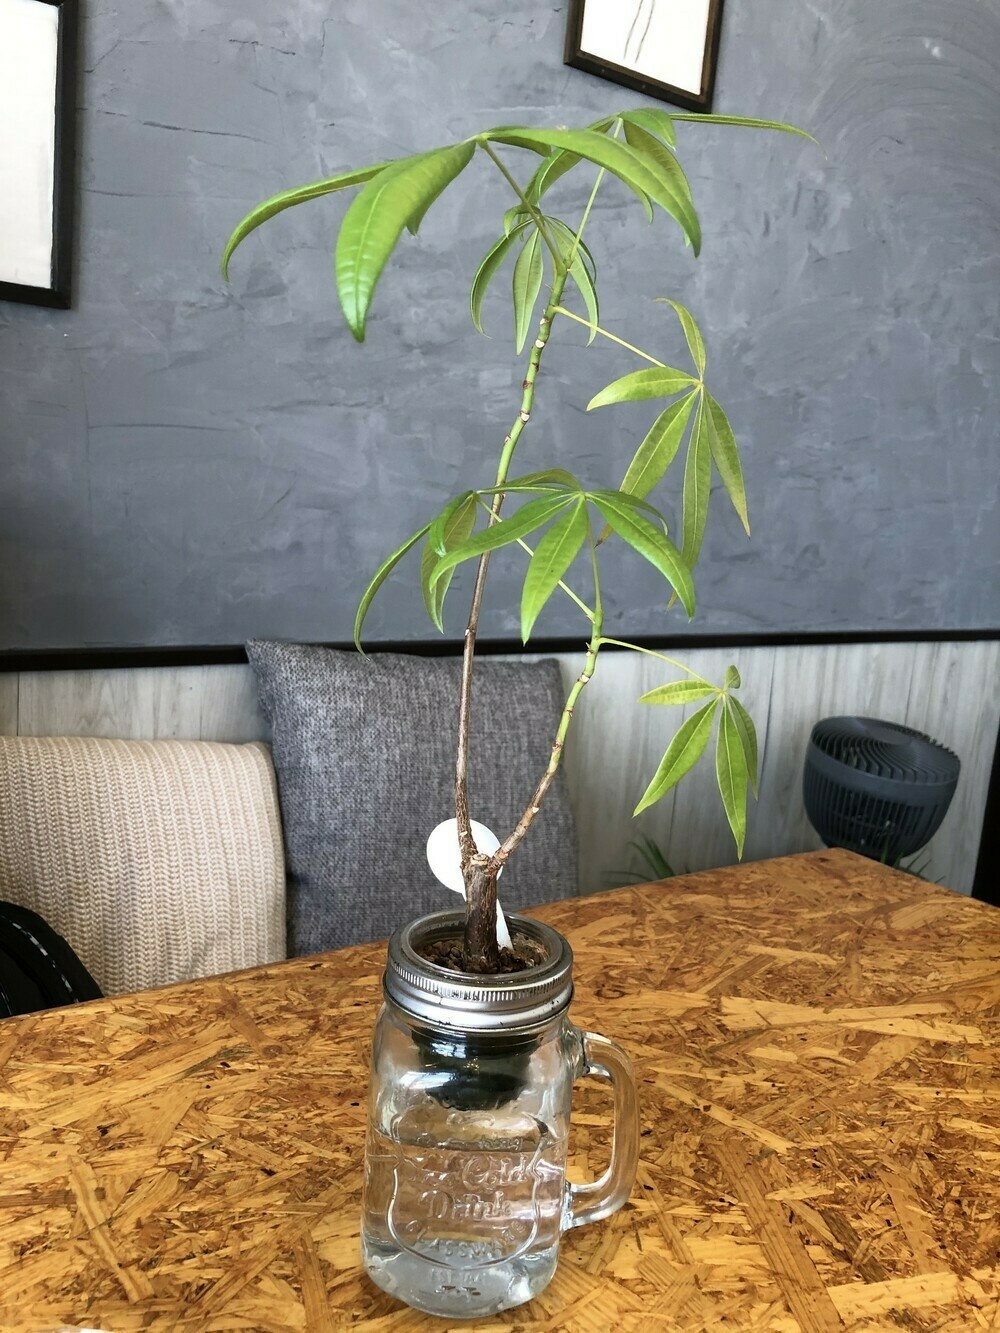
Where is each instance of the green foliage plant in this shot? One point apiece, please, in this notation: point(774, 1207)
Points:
point(567, 522)
point(648, 862)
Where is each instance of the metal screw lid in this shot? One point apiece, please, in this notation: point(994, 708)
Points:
point(458, 1001)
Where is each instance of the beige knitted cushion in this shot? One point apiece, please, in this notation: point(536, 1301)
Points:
point(157, 860)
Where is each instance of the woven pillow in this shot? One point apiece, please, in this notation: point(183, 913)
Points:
point(364, 749)
point(158, 861)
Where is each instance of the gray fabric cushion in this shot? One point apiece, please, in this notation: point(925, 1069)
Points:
point(364, 749)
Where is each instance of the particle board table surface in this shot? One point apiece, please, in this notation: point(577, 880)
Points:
point(815, 1041)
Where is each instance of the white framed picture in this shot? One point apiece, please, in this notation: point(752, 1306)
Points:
point(663, 48)
point(37, 39)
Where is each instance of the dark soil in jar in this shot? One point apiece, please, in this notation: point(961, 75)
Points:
point(448, 953)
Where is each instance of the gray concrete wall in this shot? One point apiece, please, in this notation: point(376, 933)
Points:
point(184, 462)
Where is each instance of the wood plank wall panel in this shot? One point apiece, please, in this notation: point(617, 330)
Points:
point(8, 704)
point(945, 689)
point(184, 703)
point(956, 693)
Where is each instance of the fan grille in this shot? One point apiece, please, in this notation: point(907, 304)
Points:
point(875, 787)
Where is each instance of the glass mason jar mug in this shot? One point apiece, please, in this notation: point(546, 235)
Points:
point(465, 1193)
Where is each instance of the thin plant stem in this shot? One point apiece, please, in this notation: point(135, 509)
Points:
point(536, 216)
point(596, 617)
point(649, 652)
point(502, 853)
point(467, 843)
point(561, 310)
point(571, 259)
point(590, 204)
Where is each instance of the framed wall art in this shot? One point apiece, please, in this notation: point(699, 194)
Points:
point(37, 76)
point(663, 48)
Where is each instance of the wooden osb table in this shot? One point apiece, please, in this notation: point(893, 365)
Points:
point(816, 1041)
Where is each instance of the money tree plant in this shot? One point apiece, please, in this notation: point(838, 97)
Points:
point(560, 520)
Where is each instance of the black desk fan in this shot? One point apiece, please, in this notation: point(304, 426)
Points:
point(875, 787)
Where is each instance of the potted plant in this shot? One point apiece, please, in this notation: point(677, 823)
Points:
point(474, 1057)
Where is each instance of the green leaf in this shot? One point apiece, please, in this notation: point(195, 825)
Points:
point(726, 454)
point(527, 519)
point(553, 478)
point(289, 198)
point(678, 692)
point(376, 218)
point(697, 487)
point(558, 163)
point(488, 270)
point(747, 732)
point(654, 858)
point(649, 542)
point(588, 258)
point(695, 342)
point(659, 448)
point(554, 554)
point(515, 214)
point(524, 488)
point(383, 572)
point(528, 274)
point(731, 771)
point(653, 120)
point(639, 170)
point(655, 382)
point(567, 237)
point(555, 166)
point(669, 169)
point(656, 864)
point(437, 538)
point(433, 604)
point(585, 287)
point(579, 271)
point(456, 523)
point(633, 502)
point(748, 121)
point(733, 681)
point(682, 754)
point(415, 218)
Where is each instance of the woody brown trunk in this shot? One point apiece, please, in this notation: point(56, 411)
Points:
point(480, 950)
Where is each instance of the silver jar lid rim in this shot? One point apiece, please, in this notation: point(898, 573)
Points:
point(460, 1001)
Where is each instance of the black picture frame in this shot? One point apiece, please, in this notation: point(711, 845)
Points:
point(606, 68)
point(58, 293)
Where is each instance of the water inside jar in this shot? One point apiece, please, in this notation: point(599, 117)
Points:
point(462, 1213)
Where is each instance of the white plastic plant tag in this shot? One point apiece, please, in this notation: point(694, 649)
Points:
point(445, 861)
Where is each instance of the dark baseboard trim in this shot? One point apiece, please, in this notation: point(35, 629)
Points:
point(107, 658)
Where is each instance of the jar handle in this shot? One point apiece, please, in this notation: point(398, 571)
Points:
point(591, 1202)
